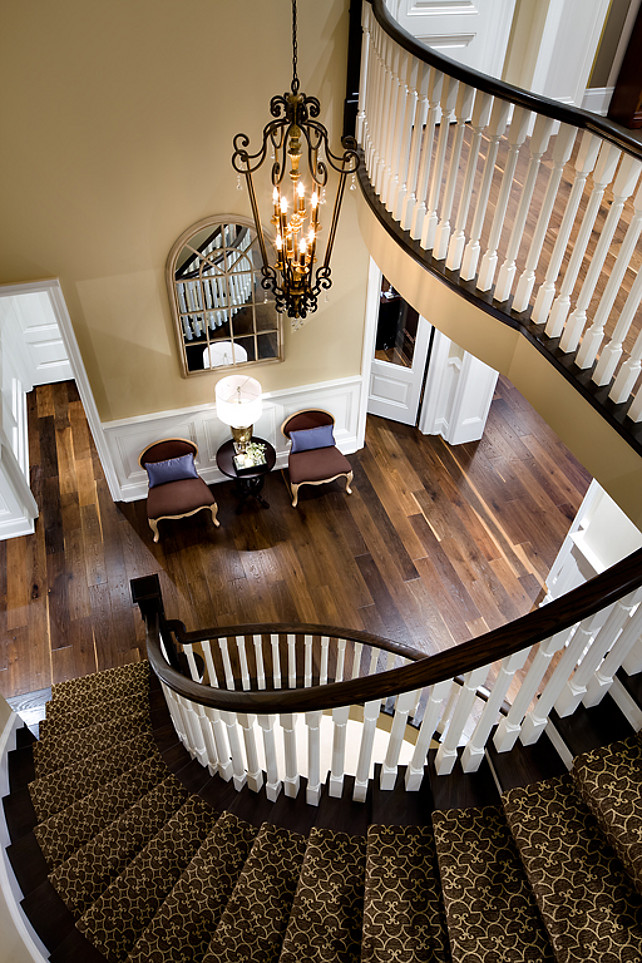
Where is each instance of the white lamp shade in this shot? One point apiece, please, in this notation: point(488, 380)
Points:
point(238, 401)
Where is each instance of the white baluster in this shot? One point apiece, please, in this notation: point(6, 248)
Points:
point(337, 771)
point(395, 130)
point(576, 687)
point(415, 771)
point(313, 789)
point(372, 82)
point(227, 665)
point(479, 120)
point(633, 662)
point(188, 649)
point(601, 682)
point(516, 135)
point(291, 780)
point(239, 775)
point(212, 761)
point(245, 672)
point(623, 187)
point(584, 164)
point(509, 728)
point(221, 742)
point(364, 74)
point(496, 128)
point(630, 370)
point(341, 656)
point(258, 657)
point(323, 669)
point(276, 661)
point(272, 783)
point(635, 411)
point(307, 670)
point(383, 86)
point(370, 716)
point(209, 662)
point(405, 702)
point(602, 176)
point(399, 185)
point(463, 108)
point(406, 210)
point(195, 740)
point(474, 752)
point(612, 352)
point(447, 752)
point(537, 148)
point(374, 659)
point(254, 772)
point(448, 100)
point(356, 660)
point(175, 713)
point(448, 709)
point(435, 82)
point(292, 661)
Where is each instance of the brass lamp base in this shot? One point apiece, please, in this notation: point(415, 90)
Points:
point(241, 437)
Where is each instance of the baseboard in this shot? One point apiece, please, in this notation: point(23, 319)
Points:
point(125, 439)
point(597, 100)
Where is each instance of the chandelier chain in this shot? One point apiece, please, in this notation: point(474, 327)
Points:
point(295, 51)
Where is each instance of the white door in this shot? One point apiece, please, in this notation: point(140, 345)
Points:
point(473, 32)
point(42, 338)
point(399, 362)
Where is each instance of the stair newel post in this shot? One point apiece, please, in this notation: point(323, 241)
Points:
point(602, 680)
point(511, 725)
point(478, 123)
point(463, 108)
point(537, 147)
point(516, 136)
point(496, 128)
point(473, 753)
point(447, 103)
point(447, 752)
point(364, 75)
point(562, 148)
point(405, 702)
point(605, 637)
point(337, 771)
point(435, 82)
point(623, 187)
point(408, 202)
point(291, 641)
point(399, 186)
point(602, 177)
point(254, 771)
point(313, 789)
point(611, 353)
point(291, 781)
point(147, 595)
point(362, 778)
point(415, 771)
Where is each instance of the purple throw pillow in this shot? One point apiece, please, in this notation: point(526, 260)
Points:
point(305, 440)
point(174, 469)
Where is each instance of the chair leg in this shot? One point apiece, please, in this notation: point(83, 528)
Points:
point(153, 524)
point(295, 494)
point(349, 478)
point(214, 510)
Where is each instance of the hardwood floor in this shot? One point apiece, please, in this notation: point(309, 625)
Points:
point(435, 545)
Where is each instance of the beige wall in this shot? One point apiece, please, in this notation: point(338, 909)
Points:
point(119, 118)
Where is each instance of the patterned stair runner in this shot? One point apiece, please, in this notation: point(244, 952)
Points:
point(403, 913)
point(610, 781)
point(252, 927)
point(489, 904)
point(586, 900)
point(325, 922)
point(68, 748)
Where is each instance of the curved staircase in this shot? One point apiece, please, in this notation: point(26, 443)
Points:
point(127, 850)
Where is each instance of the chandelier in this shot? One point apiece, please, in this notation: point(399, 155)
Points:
point(297, 144)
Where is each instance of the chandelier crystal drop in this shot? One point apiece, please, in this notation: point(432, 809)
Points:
point(296, 143)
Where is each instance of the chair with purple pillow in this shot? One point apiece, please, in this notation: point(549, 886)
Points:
point(176, 490)
point(314, 458)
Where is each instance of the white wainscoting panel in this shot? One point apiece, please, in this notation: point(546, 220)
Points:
point(126, 438)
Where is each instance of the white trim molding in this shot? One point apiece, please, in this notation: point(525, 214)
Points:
point(126, 438)
point(597, 100)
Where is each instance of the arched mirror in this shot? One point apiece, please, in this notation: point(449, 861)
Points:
point(223, 317)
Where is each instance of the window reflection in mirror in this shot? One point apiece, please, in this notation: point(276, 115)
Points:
point(223, 317)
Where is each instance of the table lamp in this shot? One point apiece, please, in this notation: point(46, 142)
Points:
point(238, 404)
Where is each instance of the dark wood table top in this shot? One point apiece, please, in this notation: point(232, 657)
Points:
point(225, 455)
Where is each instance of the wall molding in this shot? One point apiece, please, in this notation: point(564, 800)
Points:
point(126, 438)
point(597, 100)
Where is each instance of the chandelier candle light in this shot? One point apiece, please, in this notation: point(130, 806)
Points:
point(295, 135)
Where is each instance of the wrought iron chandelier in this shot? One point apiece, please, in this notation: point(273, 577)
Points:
point(295, 135)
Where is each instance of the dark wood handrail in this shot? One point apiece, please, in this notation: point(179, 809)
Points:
point(560, 614)
point(565, 113)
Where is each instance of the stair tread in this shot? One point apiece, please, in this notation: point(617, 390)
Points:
point(114, 683)
point(632, 684)
point(253, 924)
point(21, 767)
point(610, 782)
point(182, 929)
point(88, 872)
point(62, 788)
point(19, 813)
point(585, 899)
point(116, 919)
point(66, 716)
point(587, 728)
point(488, 902)
point(523, 765)
point(66, 831)
point(403, 912)
point(71, 747)
point(330, 888)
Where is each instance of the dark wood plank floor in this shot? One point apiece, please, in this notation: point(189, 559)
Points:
point(436, 544)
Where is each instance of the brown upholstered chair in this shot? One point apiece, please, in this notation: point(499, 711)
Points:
point(175, 498)
point(314, 466)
